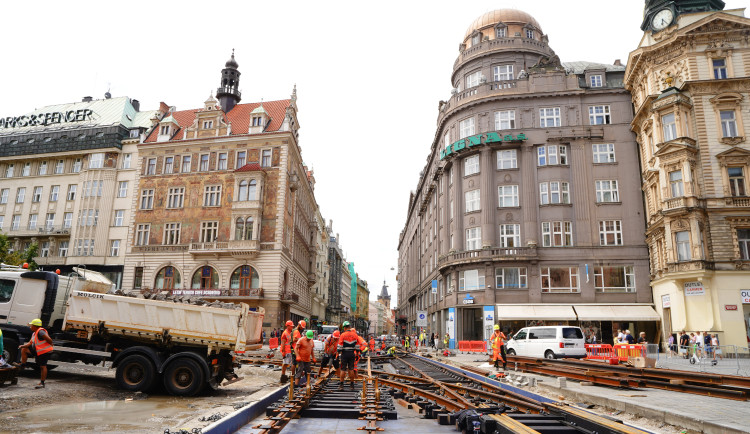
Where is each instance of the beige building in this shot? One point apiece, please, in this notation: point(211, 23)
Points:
point(320, 288)
point(690, 85)
point(67, 180)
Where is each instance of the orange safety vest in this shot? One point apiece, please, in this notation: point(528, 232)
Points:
point(286, 338)
point(497, 341)
point(372, 344)
point(348, 340)
point(330, 346)
point(295, 337)
point(40, 346)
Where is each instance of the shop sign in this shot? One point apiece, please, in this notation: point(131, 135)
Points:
point(476, 140)
point(730, 307)
point(745, 295)
point(45, 119)
point(468, 299)
point(666, 301)
point(694, 288)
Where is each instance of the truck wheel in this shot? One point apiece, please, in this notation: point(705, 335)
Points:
point(135, 373)
point(183, 377)
point(10, 350)
point(511, 352)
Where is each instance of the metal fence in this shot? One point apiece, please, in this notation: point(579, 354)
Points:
point(723, 359)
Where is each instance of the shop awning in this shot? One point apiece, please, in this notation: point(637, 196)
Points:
point(607, 312)
point(535, 311)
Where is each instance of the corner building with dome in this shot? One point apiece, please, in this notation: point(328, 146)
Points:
point(529, 209)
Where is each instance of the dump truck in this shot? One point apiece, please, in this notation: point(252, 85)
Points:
point(187, 347)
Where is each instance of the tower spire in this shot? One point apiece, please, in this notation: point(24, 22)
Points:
point(228, 92)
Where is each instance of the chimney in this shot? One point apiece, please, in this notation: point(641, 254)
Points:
point(136, 104)
point(163, 108)
point(618, 62)
point(87, 99)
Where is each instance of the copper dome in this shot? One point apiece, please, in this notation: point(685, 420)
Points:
point(507, 16)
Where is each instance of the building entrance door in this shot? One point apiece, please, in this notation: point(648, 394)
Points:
point(471, 322)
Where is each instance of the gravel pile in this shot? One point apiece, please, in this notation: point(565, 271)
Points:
point(167, 296)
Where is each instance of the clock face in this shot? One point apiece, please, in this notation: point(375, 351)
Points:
point(662, 19)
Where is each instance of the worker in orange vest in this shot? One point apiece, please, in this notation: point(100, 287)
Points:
point(361, 348)
point(39, 347)
point(330, 355)
point(372, 344)
point(298, 333)
point(285, 346)
point(304, 349)
point(347, 347)
point(382, 346)
point(498, 346)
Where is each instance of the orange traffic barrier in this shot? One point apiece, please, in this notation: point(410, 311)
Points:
point(599, 351)
point(625, 351)
point(273, 343)
point(464, 346)
point(478, 346)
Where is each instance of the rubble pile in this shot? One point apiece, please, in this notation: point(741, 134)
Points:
point(167, 296)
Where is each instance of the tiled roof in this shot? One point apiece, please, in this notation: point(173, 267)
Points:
point(250, 167)
point(239, 117)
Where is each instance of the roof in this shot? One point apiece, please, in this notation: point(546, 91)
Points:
point(250, 167)
point(506, 16)
point(581, 67)
point(239, 117)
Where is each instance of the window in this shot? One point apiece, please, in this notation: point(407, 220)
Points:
point(604, 153)
point(743, 237)
point(552, 155)
point(606, 191)
point(451, 210)
point(502, 72)
point(60, 167)
point(186, 161)
point(554, 192)
point(473, 238)
point(62, 250)
point(510, 235)
point(92, 188)
point(505, 120)
point(151, 166)
point(203, 166)
point(76, 165)
point(26, 169)
point(669, 127)
point(4, 195)
point(96, 161)
point(171, 233)
point(243, 228)
point(49, 222)
point(736, 181)
point(175, 197)
point(610, 233)
point(675, 183)
point(596, 80)
point(168, 165)
point(529, 34)
point(471, 165)
point(222, 162)
point(682, 240)
point(42, 168)
point(470, 280)
point(212, 195)
point(54, 192)
point(501, 32)
point(475, 39)
point(37, 195)
point(20, 194)
point(32, 221)
point(549, 117)
point(122, 189)
point(209, 231)
point(205, 278)
point(728, 123)
point(241, 157)
point(257, 121)
point(9, 171)
point(15, 222)
point(67, 220)
point(208, 124)
point(472, 200)
point(44, 252)
point(119, 217)
point(614, 279)
point(510, 277)
point(559, 279)
point(72, 191)
point(244, 277)
point(472, 80)
point(114, 248)
point(127, 160)
point(557, 234)
point(265, 159)
point(147, 199)
point(507, 159)
point(466, 127)
point(168, 278)
point(248, 190)
point(142, 234)
point(720, 68)
point(507, 196)
point(599, 114)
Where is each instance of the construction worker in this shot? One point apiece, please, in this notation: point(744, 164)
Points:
point(372, 344)
point(497, 340)
point(421, 337)
point(298, 333)
point(406, 343)
point(392, 351)
point(347, 347)
point(446, 340)
point(329, 352)
point(39, 347)
point(305, 354)
point(285, 346)
point(361, 348)
point(382, 346)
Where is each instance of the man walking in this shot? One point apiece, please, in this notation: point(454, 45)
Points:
point(498, 347)
point(347, 346)
point(305, 355)
point(285, 346)
point(39, 347)
point(329, 352)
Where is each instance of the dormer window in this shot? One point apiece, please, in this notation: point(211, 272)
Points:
point(208, 124)
point(529, 33)
point(164, 130)
point(257, 121)
point(475, 39)
point(501, 32)
point(596, 80)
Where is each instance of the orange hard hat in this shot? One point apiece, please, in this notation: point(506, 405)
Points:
point(302, 323)
point(336, 334)
point(289, 323)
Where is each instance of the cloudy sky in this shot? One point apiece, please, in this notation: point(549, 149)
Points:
point(369, 76)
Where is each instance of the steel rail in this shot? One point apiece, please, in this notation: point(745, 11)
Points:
point(510, 425)
point(612, 426)
point(440, 384)
point(438, 399)
point(298, 402)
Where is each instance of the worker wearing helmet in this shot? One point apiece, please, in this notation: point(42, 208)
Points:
point(304, 349)
point(392, 351)
point(285, 346)
point(372, 343)
point(347, 347)
point(298, 333)
point(361, 348)
point(497, 340)
point(39, 347)
point(330, 353)
point(406, 343)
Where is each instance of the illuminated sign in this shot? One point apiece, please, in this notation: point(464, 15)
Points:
point(479, 139)
point(45, 119)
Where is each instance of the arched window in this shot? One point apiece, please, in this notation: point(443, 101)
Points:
point(244, 277)
point(249, 228)
point(168, 278)
point(251, 192)
point(243, 191)
point(239, 228)
point(205, 278)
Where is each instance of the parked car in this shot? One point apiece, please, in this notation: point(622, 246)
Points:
point(550, 342)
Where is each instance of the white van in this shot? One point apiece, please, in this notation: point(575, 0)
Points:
point(549, 342)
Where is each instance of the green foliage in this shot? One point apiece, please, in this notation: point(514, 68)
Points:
point(18, 258)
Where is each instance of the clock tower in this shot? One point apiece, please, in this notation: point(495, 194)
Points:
point(659, 14)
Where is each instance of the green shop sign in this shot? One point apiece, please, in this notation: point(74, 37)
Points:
point(479, 139)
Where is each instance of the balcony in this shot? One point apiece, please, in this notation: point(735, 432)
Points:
point(50, 260)
point(54, 230)
point(312, 278)
point(676, 203)
point(493, 254)
point(289, 296)
point(743, 202)
point(235, 248)
point(247, 205)
point(172, 248)
point(687, 266)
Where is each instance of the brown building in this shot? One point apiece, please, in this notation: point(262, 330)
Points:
point(225, 207)
point(690, 84)
point(528, 210)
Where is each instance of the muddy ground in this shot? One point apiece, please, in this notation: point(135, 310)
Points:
point(84, 398)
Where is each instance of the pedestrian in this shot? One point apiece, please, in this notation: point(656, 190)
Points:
point(670, 345)
point(285, 346)
point(707, 344)
point(264, 335)
point(629, 339)
point(39, 347)
point(305, 355)
point(620, 337)
point(642, 338)
point(362, 347)
point(715, 344)
point(347, 346)
point(497, 341)
point(2, 359)
point(684, 344)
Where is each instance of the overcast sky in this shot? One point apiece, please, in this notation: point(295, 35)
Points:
point(369, 77)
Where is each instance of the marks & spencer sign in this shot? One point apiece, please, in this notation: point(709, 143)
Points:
point(45, 119)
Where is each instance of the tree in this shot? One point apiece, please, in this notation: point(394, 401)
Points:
point(18, 258)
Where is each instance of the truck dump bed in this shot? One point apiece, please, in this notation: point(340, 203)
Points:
point(159, 322)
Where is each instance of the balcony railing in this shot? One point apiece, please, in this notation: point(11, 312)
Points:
point(694, 265)
point(233, 247)
point(50, 260)
point(160, 248)
point(741, 201)
point(495, 254)
point(289, 296)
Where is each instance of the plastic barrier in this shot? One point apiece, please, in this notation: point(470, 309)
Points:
point(599, 351)
point(464, 346)
point(625, 351)
point(478, 347)
point(273, 343)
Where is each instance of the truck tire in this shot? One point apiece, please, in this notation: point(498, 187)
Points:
point(135, 373)
point(10, 349)
point(184, 377)
point(511, 352)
